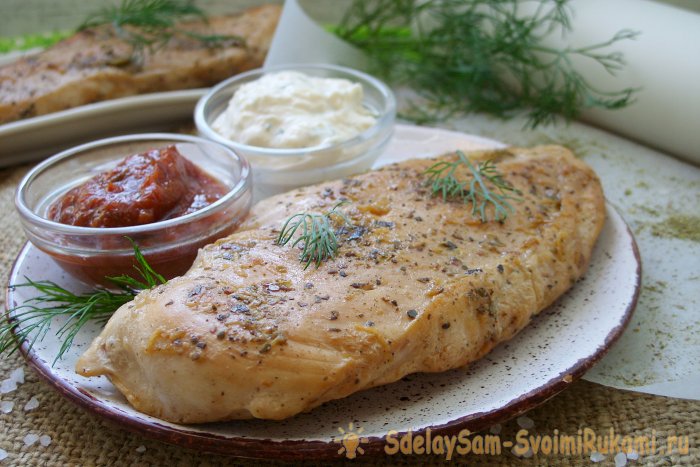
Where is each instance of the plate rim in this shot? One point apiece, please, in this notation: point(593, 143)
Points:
point(97, 108)
point(260, 448)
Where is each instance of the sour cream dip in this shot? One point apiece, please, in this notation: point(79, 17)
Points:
point(290, 109)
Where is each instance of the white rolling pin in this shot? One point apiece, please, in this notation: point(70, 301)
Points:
point(664, 61)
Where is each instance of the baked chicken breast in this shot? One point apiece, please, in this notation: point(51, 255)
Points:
point(418, 285)
point(96, 64)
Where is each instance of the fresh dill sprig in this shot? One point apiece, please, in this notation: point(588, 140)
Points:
point(486, 186)
point(317, 234)
point(150, 24)
point(31, 321)
point(482, 55)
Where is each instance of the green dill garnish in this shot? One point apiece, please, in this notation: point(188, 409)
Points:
point(150, 24)
point(482, 55)
point(485, 187)
point(35, 316)
point(317, 234)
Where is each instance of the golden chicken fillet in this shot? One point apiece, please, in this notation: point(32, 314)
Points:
point(418, 285)
point(96, 64)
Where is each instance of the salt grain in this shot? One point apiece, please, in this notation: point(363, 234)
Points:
point(495, 429)
point(6, 406)
point(633, 455)
point(18, 375)
point(597, 457)
point(525, 422)
point(44, 440)
point(3, 455)
point(32, 404)
point(141, 449)
point(30, 439)
point(620, 459)
point(8, 385)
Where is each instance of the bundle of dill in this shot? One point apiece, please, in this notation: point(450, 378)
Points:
point(481, 55)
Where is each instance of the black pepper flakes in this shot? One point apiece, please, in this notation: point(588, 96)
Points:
point(471, 272)
point(449, 245)
point(240, 308)
point(445, 325)
point(195, 291)
point(412, 314)
point(386, 224)
point(500, 268)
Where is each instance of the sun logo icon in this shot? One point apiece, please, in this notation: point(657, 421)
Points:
point(351, 441)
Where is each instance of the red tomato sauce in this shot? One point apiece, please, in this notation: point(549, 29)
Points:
point(153, 186)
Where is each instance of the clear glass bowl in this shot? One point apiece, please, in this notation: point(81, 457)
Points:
point(92, 253)
point(279, 170)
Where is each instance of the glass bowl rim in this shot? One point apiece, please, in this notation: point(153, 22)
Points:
point(240, 187)
point(385, 119)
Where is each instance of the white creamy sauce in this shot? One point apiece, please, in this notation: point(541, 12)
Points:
point(289, 109)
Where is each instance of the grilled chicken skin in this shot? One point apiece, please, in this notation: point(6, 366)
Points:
point(418, 285)
point(96, 64)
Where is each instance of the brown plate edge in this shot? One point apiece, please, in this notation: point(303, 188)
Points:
point(305, 449)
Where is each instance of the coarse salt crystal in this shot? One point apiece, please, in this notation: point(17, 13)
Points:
point(597, 457)
point(6, 406)
point(18, 375)
point(495, 429)
point(8, 385)
point(633, 455)
point(3, 455)
point(141, 449)
point(525, 422)
point(30, 439)
point(44, 440)
point(32, 404)
point(620, 459)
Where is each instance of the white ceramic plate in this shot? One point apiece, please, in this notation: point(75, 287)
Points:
point(554, 350)
point(46, 135)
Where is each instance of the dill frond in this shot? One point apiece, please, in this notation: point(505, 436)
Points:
point(31, 321)
point(317, 234)
point(485, 187)
point(487, 56)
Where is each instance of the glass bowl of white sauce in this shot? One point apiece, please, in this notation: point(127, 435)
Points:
point(300, 124)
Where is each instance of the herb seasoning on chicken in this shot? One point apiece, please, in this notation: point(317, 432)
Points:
point(427, 285)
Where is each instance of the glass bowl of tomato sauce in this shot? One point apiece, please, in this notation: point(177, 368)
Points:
point(169, 194)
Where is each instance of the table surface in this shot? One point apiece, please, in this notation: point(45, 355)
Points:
point(645, 186)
